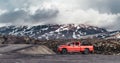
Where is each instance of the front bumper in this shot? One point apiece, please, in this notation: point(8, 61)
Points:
point(59, 49)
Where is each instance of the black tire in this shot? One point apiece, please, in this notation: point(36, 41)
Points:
point(86, 51)
point(64, 51)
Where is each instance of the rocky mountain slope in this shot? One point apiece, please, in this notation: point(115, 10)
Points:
point(65, 31)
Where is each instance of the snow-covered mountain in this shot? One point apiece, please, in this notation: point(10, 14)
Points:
point(113, 35)
point(65, 31)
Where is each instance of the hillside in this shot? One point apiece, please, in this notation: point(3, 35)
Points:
point(102, 46)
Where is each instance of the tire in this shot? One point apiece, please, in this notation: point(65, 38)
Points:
point(64, 51)
point(86, 51)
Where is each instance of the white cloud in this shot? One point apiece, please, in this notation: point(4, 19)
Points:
point(90, 16)
point(102, 13)
point(2, 11)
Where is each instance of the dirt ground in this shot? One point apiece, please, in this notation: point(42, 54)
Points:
point(76, 58)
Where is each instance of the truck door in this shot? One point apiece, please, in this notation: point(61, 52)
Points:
point(70, 47)
point(77, 47)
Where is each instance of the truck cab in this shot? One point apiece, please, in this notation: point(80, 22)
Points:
point(75, 47)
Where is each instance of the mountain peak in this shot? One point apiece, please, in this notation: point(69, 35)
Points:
point(49, 31)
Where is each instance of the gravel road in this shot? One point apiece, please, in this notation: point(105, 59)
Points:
point(77, 58)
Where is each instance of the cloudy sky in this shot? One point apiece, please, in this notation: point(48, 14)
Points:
point(101, 13)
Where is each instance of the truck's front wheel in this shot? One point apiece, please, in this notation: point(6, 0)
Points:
point(64, 51)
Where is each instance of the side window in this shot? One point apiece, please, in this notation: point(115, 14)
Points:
point(76, 43)
point(71, 44)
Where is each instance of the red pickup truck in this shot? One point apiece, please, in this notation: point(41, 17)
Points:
point(75, 47)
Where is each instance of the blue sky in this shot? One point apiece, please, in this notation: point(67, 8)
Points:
point(101, 13)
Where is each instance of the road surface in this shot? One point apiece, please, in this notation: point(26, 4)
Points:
point(78, 58)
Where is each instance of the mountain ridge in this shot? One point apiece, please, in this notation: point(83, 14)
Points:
point(56, 31)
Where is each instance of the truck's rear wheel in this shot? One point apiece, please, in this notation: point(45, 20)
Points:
point(64, 51)
point(86, 51)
